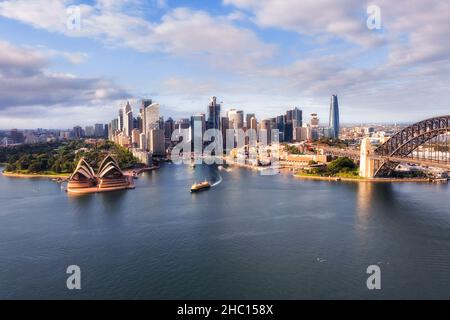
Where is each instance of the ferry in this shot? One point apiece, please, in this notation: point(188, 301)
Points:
point(196, 187)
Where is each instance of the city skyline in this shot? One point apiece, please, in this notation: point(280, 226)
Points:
point(175, 53)
point(221, 157)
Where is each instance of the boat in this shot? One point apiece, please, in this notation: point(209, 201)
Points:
point(196, 187)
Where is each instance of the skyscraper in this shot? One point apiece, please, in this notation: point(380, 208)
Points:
point(98, 130)
point(248, 119)
point(314, 120)
point(151, 116)
point(196, 133)
point(334, 117)
point(236, 118)
point(156, 144)
point(253, 123)
point(120, 120)
point(114, 125)
point(280, 122)
point(213, 114)
point(169, 126)
point(128, 123)
point(225, 125)
point(89, 131)
point(77, 132)
point(265, 131)
point(314, 126)
point(145, 104)
point(293, 120)
point(16, 136)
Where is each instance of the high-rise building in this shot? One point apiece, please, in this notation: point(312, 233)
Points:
point(294, 116)
point(138, 122)
point(184, 123)
point(77, 132)
point(248, 118)
point(265, 131)
point(169, 126)
point(297, 116)
point(314, 126)
point(135, 138)
point(151, 117)
point(334, 117)
point(198, 128)
point(109, 132)
point(128, 121)
point(16, 136)
point(293, 120)
point(145, 103)
point(114, 126)
point(89, 131)
point(225, 125)
point(236, 118)
point(253, 123)
point(156, 142)
point(213, 114)
point(303, 133)
point(314, 120)
point(280, 122)
point(142, 142)
point(288, 131)
point(120, 120)
point(98, 130)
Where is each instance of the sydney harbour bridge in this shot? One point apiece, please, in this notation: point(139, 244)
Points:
point(425, 143)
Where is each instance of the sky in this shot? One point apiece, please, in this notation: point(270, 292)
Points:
point(66, 63)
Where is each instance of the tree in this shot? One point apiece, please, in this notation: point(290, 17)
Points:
point(342, 164)
point(35, 166)
point(10, 167)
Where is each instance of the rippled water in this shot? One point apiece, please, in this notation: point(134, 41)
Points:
point(250, 236)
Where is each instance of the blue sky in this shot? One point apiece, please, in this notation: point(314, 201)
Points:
point(262, 56)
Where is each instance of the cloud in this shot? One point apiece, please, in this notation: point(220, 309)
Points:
point(328, 49)
point(184, 32)
point(24, 81)
point(344, 19)
point(19, 62)
point(181, 32)
point(416, 32)
point(71, 57)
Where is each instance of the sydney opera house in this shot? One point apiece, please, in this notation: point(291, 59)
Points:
point(109, 178)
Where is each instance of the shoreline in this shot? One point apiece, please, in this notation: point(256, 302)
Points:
point(343, 179)
point(65, 176)
point(298, 176)
point(35, 175)
point(337, 179)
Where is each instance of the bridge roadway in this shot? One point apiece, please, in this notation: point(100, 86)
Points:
point(355, 155)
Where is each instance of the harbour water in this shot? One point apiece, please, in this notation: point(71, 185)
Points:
point(248, 237)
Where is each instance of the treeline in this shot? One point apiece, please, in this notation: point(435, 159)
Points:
point(62, 157)
point(337, 143)
point(292, 149)
point(342, 166)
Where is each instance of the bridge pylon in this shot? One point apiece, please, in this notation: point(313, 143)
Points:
point(366, 163)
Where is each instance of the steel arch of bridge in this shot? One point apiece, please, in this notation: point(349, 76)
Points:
point(404, 142)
